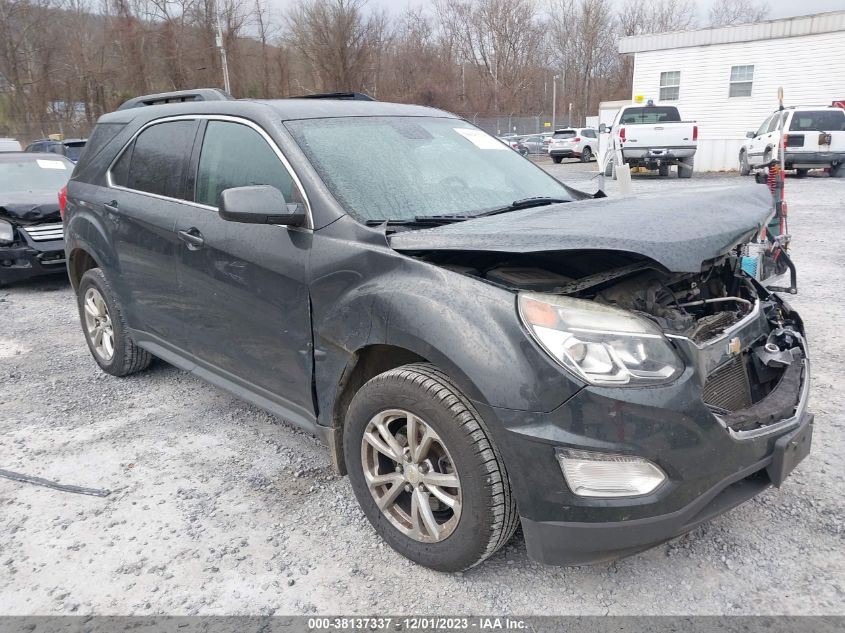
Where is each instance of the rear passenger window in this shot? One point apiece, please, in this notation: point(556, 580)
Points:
point(159, 160)
point(235, 155)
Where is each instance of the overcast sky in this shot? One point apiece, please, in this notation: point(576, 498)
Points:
point(779, 8)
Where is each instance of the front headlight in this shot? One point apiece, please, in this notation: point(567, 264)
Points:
point(7, 233)
point(600, 344)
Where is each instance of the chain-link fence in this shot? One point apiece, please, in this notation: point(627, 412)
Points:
point(502, 124)
point(28, 131)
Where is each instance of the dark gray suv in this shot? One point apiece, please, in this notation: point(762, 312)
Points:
point(479, 344)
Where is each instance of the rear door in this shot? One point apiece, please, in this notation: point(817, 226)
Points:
point(140, 209)
point(243, 290)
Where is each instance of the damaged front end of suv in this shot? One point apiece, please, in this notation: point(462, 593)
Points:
point(693, 377)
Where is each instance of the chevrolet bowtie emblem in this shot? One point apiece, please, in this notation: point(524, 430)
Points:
point(735, 346)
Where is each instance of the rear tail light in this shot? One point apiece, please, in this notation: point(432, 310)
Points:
point(577, 139)
point(621, 133)
point(695, 132)
point(62, 201)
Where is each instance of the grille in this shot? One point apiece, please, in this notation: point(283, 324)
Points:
point(727, 388)
point(45, 232)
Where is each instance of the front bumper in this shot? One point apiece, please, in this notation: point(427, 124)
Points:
point(575, 543)
point(710, 467)
point(33, 259)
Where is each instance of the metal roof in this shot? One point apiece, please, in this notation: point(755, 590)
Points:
point(771, 29)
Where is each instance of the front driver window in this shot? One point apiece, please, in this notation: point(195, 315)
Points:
point(235, 155)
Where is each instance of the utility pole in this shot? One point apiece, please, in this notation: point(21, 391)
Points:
point(226, 86)
point(554, 101)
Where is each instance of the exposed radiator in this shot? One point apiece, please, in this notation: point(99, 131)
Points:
point(45, 232)
point(727, 388)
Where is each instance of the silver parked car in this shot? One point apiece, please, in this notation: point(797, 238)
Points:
point(574, 143)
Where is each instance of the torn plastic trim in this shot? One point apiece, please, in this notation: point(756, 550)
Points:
point(788, 423)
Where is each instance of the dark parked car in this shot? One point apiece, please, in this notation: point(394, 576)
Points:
point(479, 344)
point(70, 148)
point(31, 241)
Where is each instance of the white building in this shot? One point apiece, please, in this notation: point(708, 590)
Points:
point(727, 78)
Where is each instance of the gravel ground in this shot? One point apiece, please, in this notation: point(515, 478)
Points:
point(220, 508)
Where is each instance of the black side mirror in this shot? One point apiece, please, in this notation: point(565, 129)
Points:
point(603, 128)
point(259, 204)
point(750, 134)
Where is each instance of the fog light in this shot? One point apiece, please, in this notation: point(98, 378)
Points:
point(607, 475)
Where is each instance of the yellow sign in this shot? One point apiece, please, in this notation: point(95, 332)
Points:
point(639, 99)
point(547, 124)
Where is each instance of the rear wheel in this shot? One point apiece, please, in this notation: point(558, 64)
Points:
point(586, 155)
point(557, 159)
point(105, 329)
point(801, 173)
point(425, 471)
point(838, 171)
point(663, 169)
point(685, 168)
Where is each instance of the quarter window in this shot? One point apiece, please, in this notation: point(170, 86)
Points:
point(235, 155)
point(670, 85)
point(742, 78)
point(159, 159)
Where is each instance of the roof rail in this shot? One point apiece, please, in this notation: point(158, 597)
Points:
point(179, 96)
point(352, 96)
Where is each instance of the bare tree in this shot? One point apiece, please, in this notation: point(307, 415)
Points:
point(336, 40)
point(725, 12)
point(501, 38)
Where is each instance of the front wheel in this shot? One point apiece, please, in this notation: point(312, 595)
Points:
point(744, 166)
point(557, 159)
point(425, 470)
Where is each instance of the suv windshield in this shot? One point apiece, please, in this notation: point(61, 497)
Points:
point(650, 114)
point(46, 175)
point(832, 120)
point(401, 168)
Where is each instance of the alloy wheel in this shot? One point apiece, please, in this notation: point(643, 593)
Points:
point(98, 324)
point(411, 475)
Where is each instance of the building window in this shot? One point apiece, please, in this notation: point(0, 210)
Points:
point(670, 85)
point(741, 80)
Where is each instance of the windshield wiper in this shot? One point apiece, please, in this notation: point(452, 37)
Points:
point(524, 203)
point(516, 205)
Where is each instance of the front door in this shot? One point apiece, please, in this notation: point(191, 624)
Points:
point(244, 289)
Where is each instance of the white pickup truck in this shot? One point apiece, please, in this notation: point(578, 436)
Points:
point(814, 139)
point(651, 136)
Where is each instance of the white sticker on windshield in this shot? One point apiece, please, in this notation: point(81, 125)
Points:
point(51, 164)
point(480, 139)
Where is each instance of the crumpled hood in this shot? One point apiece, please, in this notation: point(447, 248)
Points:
point(680, 230)
point(30, 208)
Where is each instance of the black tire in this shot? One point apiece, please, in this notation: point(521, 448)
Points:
point(488, 516)
point(801, 173)
point(127, 358)
point(663, 169)
point(744, 166)
point(608, 168)
point(586, 155)
point(685, 168)
point(838, 171)
point(557, 159)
